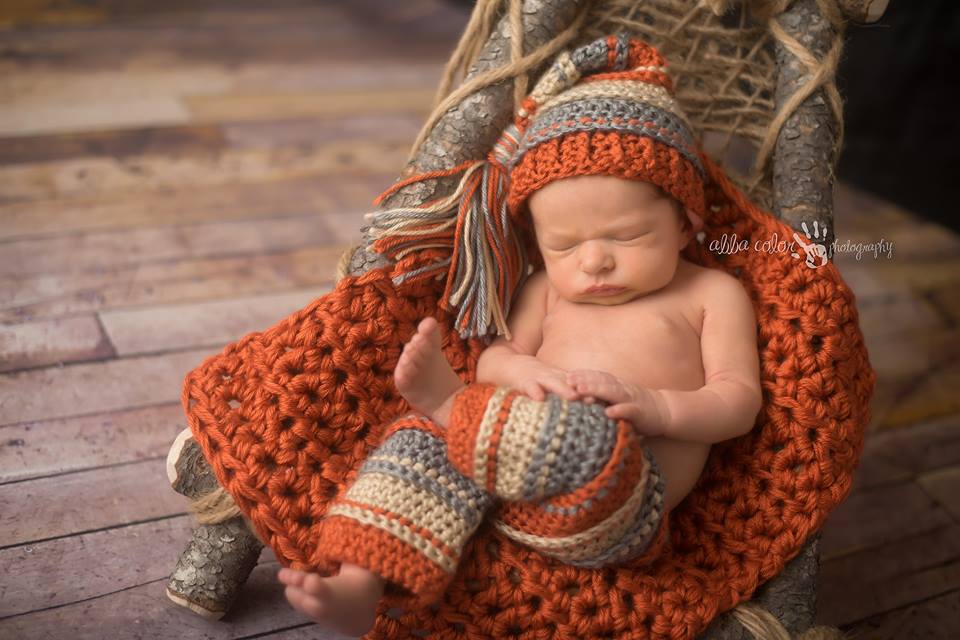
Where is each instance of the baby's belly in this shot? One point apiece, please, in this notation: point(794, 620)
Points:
point(655, 351)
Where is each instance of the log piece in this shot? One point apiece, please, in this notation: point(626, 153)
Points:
point(219, 558)
point(803, 166)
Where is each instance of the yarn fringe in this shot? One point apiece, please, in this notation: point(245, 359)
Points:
point(487, 261)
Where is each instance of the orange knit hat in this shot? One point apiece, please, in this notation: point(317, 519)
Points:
point(606, 108)
point(621, 121)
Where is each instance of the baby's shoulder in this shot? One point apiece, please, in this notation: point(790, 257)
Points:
point(709, 284)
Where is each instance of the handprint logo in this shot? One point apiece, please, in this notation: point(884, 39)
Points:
point(814, 249)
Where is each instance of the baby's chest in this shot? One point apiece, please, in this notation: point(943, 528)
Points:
point(645, 345)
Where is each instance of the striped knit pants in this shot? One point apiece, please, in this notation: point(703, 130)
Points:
point(573, 484)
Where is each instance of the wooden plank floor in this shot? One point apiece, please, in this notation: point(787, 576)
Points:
point(174, 175)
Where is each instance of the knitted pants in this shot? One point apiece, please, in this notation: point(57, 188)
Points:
point(569, 483)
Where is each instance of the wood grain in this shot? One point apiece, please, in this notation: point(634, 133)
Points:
point(937, 617)
point(89, 565)
point(260, 609)
point(34, 344)
point(93, 177)
point(158, 208)
point(98, 387)
point(884, 578)
point(102, 251)
point(206, 323)
point(63, 445)
point(84, 501)
point(159, 283)
point(867, 520)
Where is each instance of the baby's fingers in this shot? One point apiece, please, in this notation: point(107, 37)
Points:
point(586, 376)
point(602, 390)
point(533, 390)
point(560, 388)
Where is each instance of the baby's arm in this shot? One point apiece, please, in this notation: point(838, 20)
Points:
point(727, 404)
point(513, 362)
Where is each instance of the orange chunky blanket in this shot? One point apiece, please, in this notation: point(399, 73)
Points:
point(287, 416)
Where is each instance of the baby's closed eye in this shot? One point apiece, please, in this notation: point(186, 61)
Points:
point(628, 236)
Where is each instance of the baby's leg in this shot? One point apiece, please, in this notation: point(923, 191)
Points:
point(577, 485)
point(346, 602)
point(424, 377)
point(407, 515)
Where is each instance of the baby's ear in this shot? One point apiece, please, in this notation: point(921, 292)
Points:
point(696, 221)
point(692, 224)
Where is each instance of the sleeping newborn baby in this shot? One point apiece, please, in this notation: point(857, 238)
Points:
point(617, 316)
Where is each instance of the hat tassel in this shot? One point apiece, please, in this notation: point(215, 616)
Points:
point(487, 263)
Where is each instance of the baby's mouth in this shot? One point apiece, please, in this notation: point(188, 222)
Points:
point(604, 289)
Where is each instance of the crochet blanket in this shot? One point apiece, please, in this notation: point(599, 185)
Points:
point(287, 416)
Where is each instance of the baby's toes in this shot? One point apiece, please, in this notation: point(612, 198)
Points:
point(316, 585)
point(305, 603)
point(291, 576)
point(426, 326)
point(432, 334)
point(414, 349)
point(419, 349)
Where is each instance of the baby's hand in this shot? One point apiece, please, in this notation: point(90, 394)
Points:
point(637, 404)
point(536, 379)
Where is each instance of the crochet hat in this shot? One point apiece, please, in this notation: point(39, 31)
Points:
point(606, 108)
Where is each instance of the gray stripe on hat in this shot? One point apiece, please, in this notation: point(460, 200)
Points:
point(565, 118)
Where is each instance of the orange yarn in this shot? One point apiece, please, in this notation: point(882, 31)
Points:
point(611, 153)
point(286, 416)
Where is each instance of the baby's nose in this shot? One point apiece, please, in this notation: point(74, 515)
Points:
point(595, 259)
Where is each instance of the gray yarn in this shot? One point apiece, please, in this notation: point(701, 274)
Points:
point(538, 461)
point(424, 447)
point(400, 279)
point(586, 445)
point(623, 52)
point(609, 108)
point(592, 56)
point(650, 515)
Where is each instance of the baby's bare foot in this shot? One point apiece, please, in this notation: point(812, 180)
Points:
point(346, 603)
point(423, 375)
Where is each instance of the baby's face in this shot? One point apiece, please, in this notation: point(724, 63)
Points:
point(606, 231)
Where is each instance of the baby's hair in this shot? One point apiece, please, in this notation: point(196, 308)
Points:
point(676, 204)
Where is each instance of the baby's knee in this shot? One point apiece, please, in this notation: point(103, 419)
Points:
point(620, 520)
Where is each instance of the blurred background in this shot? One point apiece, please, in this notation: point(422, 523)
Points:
point(174, 175)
